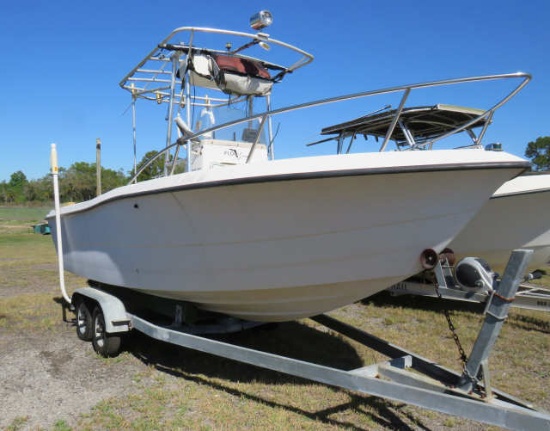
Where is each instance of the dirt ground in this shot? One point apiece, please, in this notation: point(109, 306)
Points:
point(61, 377)
point(50, 376)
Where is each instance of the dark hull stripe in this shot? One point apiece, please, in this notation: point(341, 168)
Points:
point(311, 176)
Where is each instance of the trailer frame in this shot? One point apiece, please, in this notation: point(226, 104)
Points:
point(405, 377)
point(528, 296)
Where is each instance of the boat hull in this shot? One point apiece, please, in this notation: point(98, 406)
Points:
point(281, 240)
point(515, 217)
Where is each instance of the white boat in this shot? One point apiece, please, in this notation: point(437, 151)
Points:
point(248, 236)
point(515, 217)
point(541, 247)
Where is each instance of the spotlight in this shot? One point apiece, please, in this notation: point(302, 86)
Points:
point(261, 20)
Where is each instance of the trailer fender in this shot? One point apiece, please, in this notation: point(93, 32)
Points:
point(114, 311)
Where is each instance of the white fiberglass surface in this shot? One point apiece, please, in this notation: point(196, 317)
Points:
point(274, 236)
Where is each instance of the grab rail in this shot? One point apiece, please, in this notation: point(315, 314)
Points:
point(523, 76)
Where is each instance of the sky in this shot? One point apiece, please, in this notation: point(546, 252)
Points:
point(62, 62)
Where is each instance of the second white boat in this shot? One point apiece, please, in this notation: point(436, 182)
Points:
point(515, 216)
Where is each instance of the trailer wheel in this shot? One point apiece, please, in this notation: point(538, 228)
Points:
point(84, 329)
point(106, 345)
point(538, 273)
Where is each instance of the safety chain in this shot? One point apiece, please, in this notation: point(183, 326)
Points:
point(452, 328)
point(503, 298)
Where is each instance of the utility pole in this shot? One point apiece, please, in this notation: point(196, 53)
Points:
point(98, 165)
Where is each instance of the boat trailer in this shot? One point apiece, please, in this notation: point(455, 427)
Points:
point(404, 377)
point(528, 296)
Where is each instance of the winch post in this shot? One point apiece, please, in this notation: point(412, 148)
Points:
point(495, 315)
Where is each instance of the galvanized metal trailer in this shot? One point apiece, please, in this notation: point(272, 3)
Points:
point(528, 296)
point(406, 377)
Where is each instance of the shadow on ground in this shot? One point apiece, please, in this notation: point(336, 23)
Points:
point(293, 339)
point(517, 318)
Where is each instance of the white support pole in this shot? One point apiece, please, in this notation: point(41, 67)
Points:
point(98, 166)
point(55, 172)
point(134, 139)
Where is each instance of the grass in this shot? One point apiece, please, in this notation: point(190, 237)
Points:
point(28, 260)
point(24, 213)
point(17, 219)
point(18, 424)
point(28, 272)
point(178, 388)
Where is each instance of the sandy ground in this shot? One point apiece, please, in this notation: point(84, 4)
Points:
point(55, 376)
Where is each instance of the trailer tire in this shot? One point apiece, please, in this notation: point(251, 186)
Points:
point(538, 273)
point(84, 329)
point(106, 345)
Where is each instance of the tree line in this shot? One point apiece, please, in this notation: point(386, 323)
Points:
point(78, 182)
